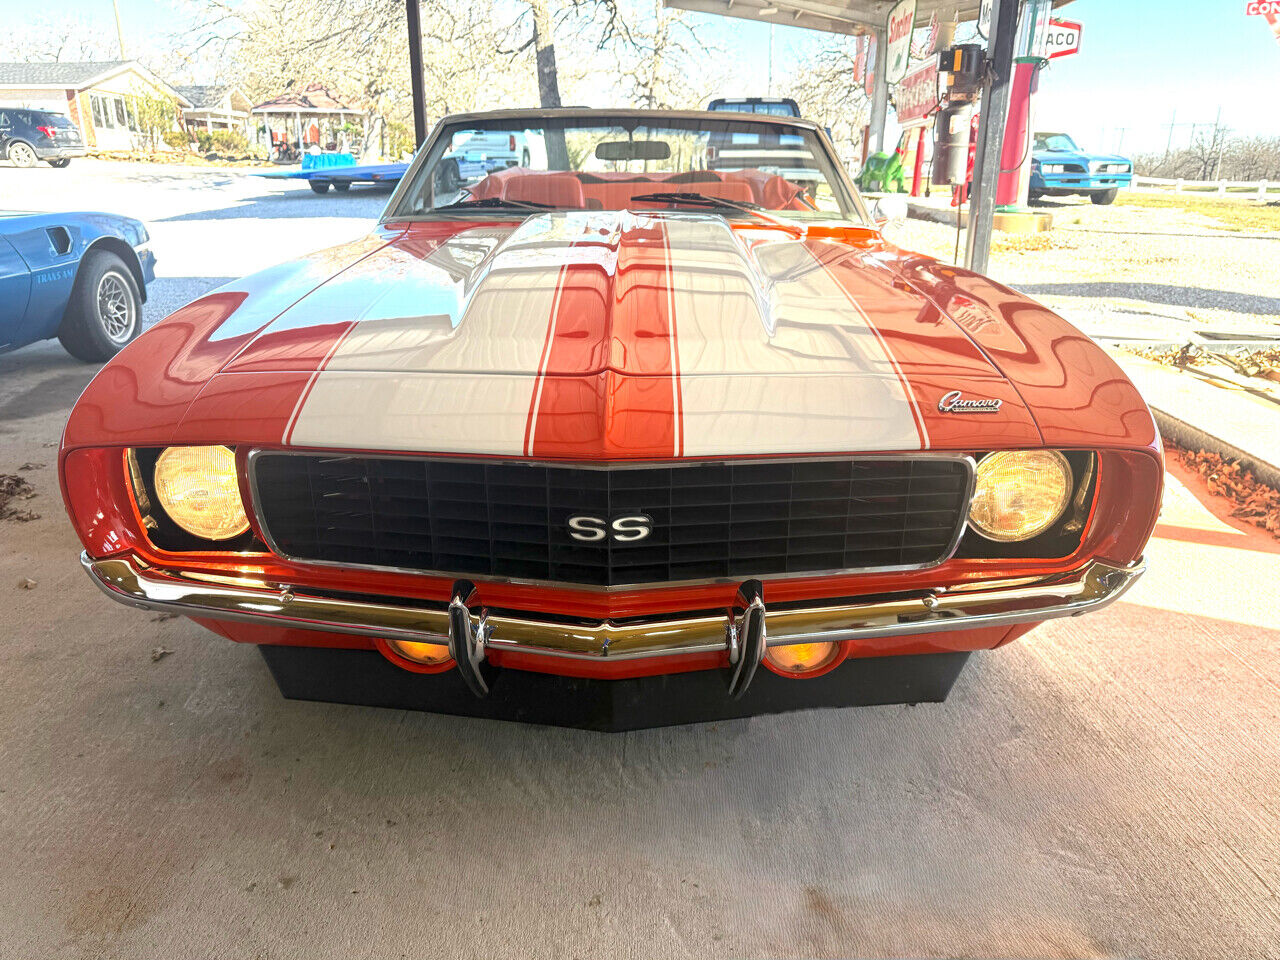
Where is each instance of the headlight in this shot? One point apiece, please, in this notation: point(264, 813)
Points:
point(200, 491)
point(1019, 494)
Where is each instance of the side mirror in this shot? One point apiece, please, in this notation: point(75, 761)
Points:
point(891, 208)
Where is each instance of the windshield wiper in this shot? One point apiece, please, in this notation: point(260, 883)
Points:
point(494, 202)
point(706, 200)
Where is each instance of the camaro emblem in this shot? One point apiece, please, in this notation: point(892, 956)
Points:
point(954, 402)
point(590, 529)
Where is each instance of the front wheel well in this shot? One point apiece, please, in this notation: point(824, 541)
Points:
point(124, 252)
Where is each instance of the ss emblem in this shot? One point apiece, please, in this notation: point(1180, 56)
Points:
point(590, 529)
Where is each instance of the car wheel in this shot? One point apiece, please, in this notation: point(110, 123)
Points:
point(1104, 197)
point(105, 310)
point(524, 158)
point(318, 186)
point(341, 186)
point(21, 154)
point(1034, 196)
point(59, 163)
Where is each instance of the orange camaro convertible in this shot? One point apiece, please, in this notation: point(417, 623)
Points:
point(648, 426)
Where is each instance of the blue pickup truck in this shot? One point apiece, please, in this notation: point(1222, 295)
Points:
point(1059, 168)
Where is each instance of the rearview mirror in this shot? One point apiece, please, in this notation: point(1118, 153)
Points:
point(633, 150)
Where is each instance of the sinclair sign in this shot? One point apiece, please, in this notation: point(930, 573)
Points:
point(902, 19)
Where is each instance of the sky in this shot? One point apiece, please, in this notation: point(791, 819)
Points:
point(1141, 65)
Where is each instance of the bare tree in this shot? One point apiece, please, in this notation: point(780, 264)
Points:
point(1214, 156)
point(827, 91)
point(661, 59)
point(43, 39)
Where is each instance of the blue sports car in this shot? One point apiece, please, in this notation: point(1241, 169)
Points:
point(80, 277)
point(1060, 168)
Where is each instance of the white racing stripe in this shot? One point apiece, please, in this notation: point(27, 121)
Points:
point(457, 375)
point(774, 357)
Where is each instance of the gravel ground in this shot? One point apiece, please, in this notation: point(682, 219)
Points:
point(1105, 787)
point(1131, 271)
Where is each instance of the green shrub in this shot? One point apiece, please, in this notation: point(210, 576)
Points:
point(177, 139)
point(230, 142)
point(204, 141)
point(400, 139)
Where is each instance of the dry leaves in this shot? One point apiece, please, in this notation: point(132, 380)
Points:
point(13, 487)
point(1255, 503)
point(1255, 363)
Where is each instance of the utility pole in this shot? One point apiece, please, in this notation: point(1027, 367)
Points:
point(1218, 137)
point(1168, 144)
point(415, 72)
point(119, 32)
point(769, 92)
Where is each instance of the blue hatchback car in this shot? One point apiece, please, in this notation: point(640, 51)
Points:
point(80, 277)
point(1059, 168)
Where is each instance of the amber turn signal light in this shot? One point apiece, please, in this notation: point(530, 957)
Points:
point(801, 659)
point(416, 656)
point(429, 654)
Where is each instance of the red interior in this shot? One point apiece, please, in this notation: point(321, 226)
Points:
point(613, 191)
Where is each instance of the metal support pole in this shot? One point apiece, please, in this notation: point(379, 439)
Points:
point(415, 71)
point(880, 91)
point(995, 111)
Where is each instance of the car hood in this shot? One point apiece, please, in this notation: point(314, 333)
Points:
point(1071, 156)
point(598, 335)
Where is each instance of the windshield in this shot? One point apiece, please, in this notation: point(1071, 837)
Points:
point(1055, 141)
point(745, 106)
point(599, 162)
point(53, 120)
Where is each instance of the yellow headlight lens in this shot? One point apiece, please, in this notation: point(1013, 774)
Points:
point(1019, 494)
point(200, 491)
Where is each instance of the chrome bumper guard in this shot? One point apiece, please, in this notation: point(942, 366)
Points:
point(744, 632)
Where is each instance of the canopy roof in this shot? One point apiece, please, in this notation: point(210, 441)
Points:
point(315, 98)
point(832, 16)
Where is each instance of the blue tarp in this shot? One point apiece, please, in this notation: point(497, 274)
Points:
point(319, 161)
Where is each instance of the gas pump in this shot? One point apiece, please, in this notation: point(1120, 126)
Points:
point(961, 68)
point(1015, 154)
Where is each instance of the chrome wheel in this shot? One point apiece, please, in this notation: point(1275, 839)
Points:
point(116, 310)
point(22, 155)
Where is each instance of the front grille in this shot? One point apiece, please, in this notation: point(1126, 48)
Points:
point(510, 518)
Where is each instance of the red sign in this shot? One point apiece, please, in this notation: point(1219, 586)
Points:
point(870, 83)
point(918, 94)
point(860, 62)
point(1256, 8)
point(1062, 38)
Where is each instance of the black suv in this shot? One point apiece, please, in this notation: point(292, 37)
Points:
point(28, 136)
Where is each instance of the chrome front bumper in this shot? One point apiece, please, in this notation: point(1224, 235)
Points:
point(471, 630)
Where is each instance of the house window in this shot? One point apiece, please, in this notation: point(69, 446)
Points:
point(121, 119)
point(99, 114)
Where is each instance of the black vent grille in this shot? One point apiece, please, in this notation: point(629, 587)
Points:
point(510, 518)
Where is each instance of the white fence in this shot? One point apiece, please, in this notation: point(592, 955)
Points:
point(1240, 188)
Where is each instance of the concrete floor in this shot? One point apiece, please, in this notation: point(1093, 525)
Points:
point(1108, 786)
